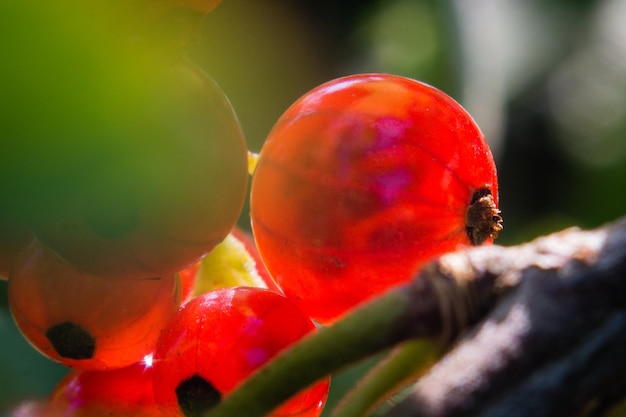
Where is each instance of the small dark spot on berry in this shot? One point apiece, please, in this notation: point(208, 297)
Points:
point(71, 341)
point(196, 395)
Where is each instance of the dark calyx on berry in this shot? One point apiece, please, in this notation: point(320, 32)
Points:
point(482, 218)
point(71, 341)
point(196, 395)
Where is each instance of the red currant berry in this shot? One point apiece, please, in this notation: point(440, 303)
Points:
point(360, 182)
point(219, 338)
point(86, 321)
point(161, 194)
point(124, 392)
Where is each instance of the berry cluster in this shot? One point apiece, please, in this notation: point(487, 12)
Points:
point(119, 212)
point(119, 241)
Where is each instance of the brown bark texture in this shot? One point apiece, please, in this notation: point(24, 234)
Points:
point(533, 330)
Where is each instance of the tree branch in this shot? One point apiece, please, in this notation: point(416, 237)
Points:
point(540, 330)
point(554, 345)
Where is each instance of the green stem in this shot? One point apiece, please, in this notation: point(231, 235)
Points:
point(386, 321)
point(404, 362)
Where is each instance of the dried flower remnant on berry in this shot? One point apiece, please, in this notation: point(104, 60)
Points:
point(482, 218)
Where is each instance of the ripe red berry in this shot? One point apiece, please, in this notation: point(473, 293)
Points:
point(361, 181)
point(219, 338)
point(124, 392)
point(86, 321)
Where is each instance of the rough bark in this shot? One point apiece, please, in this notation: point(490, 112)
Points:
point(543, 330)
point(532, 330)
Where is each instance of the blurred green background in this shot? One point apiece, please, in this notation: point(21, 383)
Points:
point(545, 81)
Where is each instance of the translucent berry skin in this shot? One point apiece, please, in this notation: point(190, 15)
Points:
point(167, 195)
point(219, 338)
point(360, 182)
point(124, 392)
point(137, 164)
point(85, 321)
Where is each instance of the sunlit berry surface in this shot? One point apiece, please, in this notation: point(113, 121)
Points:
point(124, 392)
point(218, 339)
point(86, 321)
point(361, 181)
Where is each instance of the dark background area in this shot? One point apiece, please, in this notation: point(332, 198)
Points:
point(545, 81)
